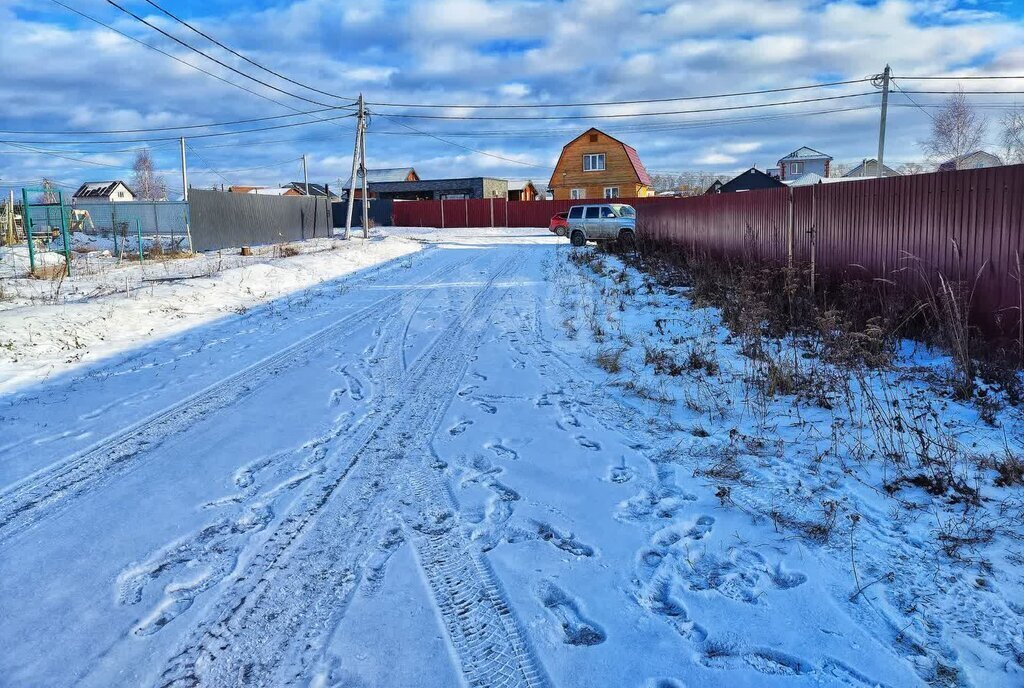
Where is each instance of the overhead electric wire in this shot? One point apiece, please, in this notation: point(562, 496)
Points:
point(193, 136)
point(915, 103)
point(156, 129)
point(969, 77)
point(622, 102)
point(206, 164)
point(459, 145)
point(59, 155)
point(170, 55)
point(621, 115)
point(213, 59)
point(243, 57)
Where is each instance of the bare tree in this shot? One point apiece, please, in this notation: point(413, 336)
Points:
point(840, 169)
point(912, 168)
point(1013, 134)
point(957, 129)
point(49, 194)
point(149, 186)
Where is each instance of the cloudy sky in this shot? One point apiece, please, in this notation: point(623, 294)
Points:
point(65, 73)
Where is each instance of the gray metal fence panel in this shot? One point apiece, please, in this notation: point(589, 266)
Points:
point(223, 220)
point(165, 218)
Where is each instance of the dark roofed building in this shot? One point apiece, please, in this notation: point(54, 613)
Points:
point(751, 180)
point(103, 192)
point(971, 161)
point(435, 189)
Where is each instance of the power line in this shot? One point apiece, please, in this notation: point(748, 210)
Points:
point(459, 145)
point(211, 58)
point(240, 55)
point(193, 136)
point(156, 129)
point(65, 157)
point(206, 164)
point(622, 102)
point(907, 96)
point(621, 115)
point(960, 78)
point(167, 54)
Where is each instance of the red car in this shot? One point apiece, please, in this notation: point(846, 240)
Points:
point(559, 223)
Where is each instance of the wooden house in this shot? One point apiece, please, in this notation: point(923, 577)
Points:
point(596, 165)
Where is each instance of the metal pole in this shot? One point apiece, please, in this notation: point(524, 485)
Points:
point(305, 177)
point(26, 222)
point(184, 172)
point(881, 123)
point(138, 229)
point(64, 232)
point(355, 166)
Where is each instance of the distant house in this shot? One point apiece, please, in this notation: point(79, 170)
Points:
point(971, 161)
point(520, 190)
point(243, 189)
point(751, 180)
point(102, 192)
point(437, 189)
point(299, 189)
point(384, 174)
point(869, 168)
point(804, 160)
point(272, 191)
point(716, 187)
point(596, 165)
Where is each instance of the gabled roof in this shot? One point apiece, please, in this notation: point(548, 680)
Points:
point(750, 180)
point(314, 189)
point(100, 189)
point(634, 157)
point(384, 174)
point(869, 168)
point(973, 157)
point(806, 153)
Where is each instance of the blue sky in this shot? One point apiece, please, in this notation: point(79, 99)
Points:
point(62, 72)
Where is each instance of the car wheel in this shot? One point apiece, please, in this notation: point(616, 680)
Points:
point(627, 241)
point(578, 239)
point(560, 231)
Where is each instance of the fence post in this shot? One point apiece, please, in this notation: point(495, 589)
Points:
point(492, 212)
point(789, 231)
point(64, 233)
point(813, 231)
point(467, 211)
point(138, 228)
point(26, 223)
point(113, 224)
point(442, 212)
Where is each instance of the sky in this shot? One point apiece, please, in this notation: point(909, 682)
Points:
point(64, 73)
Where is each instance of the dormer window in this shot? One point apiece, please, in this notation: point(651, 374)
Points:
point(593, 162)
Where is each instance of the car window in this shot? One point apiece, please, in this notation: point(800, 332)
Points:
point(625, 211)
point(576, 212)
point(562, 216)
point(593, 212)
point(606, 211)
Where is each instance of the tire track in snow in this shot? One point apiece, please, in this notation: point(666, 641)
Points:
point(45, 492)
point(269, 625)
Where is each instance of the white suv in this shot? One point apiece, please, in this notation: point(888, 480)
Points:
point(602, 222)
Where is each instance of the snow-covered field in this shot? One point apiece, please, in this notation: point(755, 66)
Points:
point(461, 458)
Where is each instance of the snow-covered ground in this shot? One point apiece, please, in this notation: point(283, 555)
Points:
point(418, 474)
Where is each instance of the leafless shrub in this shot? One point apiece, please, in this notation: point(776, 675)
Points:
point(610, 360)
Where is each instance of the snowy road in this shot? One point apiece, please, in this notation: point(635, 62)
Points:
point(408, 478)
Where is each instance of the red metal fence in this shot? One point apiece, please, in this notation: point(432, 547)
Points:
point(895, 228)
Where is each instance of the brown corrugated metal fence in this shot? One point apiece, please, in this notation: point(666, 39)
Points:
point(966, 225)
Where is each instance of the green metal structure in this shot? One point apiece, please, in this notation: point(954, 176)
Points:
point(62, 211)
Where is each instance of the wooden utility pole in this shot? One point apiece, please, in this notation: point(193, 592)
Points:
point(362, 168)
point(355, 167)
point(881, 124)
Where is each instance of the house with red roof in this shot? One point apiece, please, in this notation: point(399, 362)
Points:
point(596, 165)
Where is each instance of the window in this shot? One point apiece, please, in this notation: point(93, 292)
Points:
point(593, 162)
point(593, 212)
point(120, 194)
point(577, 194)
point(796, 167)
point(611, 192)
point(576, 212)
point(606, 211)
